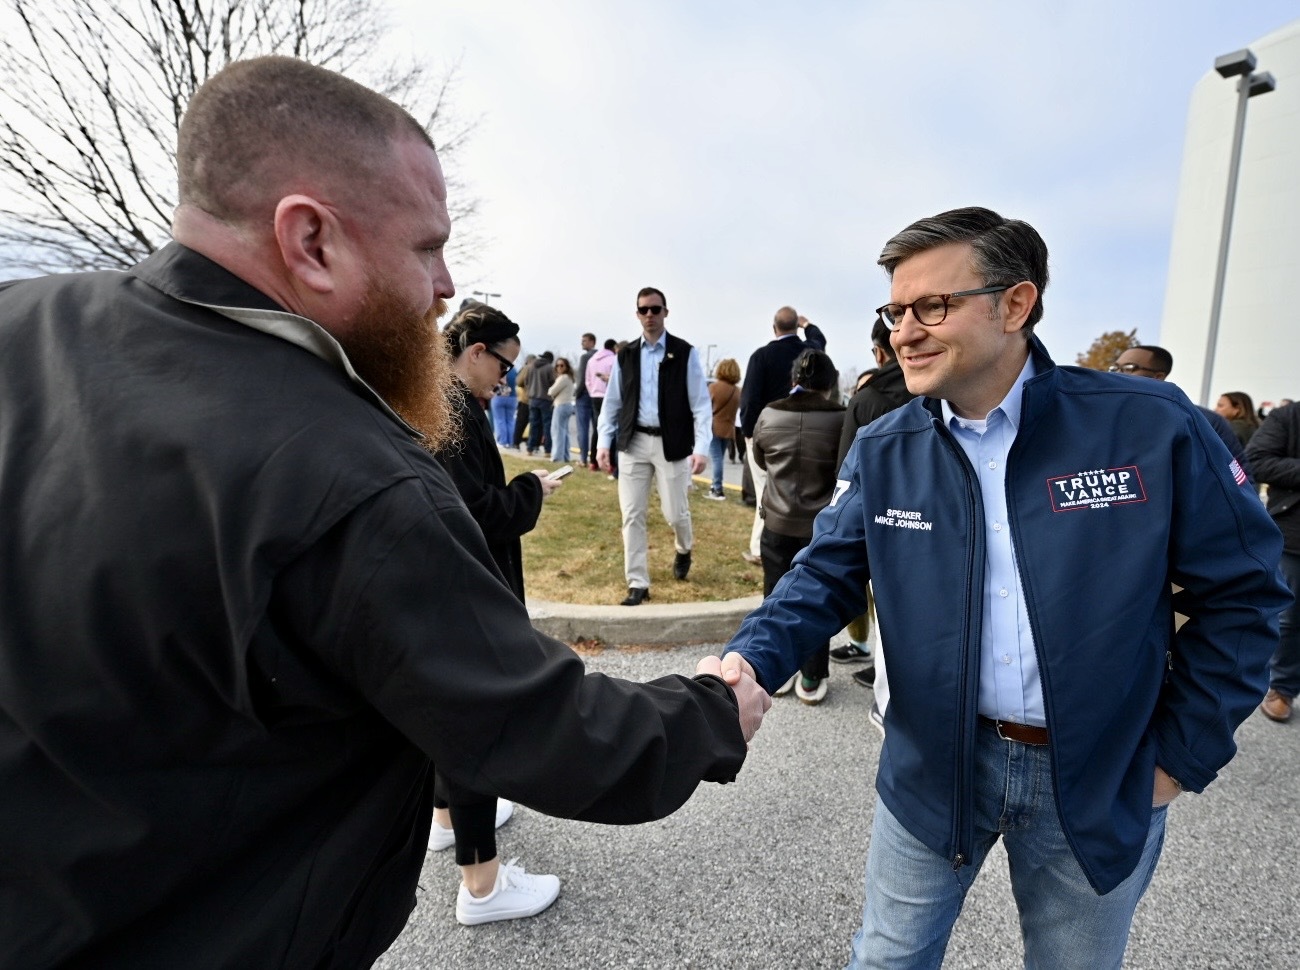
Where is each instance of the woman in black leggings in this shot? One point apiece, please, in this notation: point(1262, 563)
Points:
point(484, 343)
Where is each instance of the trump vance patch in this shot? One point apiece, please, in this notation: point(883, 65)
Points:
point(1100, 488)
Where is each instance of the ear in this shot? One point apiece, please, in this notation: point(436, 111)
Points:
point(1020, 300)
point(311, 242)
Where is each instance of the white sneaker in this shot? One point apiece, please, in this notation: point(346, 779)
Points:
point(515, 896)
point(786, 687)
point(441, 838)
point(814, 694)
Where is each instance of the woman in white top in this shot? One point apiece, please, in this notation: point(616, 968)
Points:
point(562, 396)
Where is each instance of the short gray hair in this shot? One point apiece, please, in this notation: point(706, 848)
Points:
point(1003, 250)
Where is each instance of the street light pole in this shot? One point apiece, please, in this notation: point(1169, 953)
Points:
point(1237, 64)
point(487, 298)
point(708, 358)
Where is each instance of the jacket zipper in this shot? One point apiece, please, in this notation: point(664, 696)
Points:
point(974, 589)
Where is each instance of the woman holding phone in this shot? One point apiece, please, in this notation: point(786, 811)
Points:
point(483, 343)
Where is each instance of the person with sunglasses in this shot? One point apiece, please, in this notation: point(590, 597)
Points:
point(1021, 524)
point(1156, 363)
point(484, 343)
point(658, 409)
point(561, 393)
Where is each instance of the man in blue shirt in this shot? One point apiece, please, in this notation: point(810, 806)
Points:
point(1021, 525)
point(657, 409)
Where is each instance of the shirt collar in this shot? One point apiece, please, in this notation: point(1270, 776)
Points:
point(191, 277)
point(1010, 406)
point(653, 347)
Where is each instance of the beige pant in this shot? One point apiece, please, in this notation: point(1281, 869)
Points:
point(644, 460)
point(759, 477)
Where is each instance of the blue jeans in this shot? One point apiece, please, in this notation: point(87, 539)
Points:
point(503, 419)
point(560, 432)
point(586, 431)
point(913, 894)
point(539, 425)
point(717, 451)
point(1284, 671)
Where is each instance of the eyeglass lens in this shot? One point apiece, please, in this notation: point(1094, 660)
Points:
point(929, 310)
point(649, 310)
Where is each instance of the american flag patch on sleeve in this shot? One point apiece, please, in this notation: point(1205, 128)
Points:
point(1238, 475)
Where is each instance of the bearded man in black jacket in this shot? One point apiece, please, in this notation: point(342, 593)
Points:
point(242, 608)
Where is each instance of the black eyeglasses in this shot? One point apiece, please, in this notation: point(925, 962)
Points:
point(505, 364)
point(1130, 369)
point(930, 311)
point(646, 311)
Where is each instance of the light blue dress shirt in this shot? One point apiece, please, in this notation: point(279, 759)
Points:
point(1009, 685)
point(652, 355)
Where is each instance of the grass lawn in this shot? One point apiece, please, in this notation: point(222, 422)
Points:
point(575, 555)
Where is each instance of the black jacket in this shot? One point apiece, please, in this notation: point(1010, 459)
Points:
point(504, 512)
point(767, 375)
point(1274, 453)
point(885, 391)
point(794, 441)
point(241, 611)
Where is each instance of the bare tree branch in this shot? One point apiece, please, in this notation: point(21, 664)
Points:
point(92, 93)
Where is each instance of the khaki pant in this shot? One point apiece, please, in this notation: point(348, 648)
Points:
point(643, 461)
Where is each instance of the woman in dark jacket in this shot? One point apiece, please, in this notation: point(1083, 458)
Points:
point(484, 343)
point(796, 440)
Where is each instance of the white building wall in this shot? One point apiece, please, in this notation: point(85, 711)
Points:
point(1258, 348)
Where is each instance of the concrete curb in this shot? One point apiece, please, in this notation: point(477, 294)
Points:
point(649, 623)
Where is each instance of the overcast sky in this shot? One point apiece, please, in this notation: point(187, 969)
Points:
point(742, 156)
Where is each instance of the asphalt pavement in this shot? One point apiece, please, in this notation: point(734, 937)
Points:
point(767, 872)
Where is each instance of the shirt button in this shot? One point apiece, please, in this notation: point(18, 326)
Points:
point(997, 526)
point(1006, 658)
point(993, 464)
point(1003, 592)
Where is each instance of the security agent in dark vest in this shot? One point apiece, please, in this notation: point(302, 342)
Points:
point(658, 403)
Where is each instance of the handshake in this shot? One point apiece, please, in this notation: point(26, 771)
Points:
point(752, 699)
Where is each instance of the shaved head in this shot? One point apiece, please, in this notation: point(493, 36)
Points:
point(267, 127)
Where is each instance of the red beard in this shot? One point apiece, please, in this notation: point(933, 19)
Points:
point(402, 356)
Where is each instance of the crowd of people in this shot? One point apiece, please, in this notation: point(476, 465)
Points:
point(263, 640)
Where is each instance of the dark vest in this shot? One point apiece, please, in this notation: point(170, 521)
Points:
point(675, 418)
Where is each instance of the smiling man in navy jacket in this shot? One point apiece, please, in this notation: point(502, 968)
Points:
point(1021, 524)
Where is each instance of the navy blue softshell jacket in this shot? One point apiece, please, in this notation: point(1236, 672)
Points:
point(1117, 487)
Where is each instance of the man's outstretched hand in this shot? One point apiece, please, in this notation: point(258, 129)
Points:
point(750, 696)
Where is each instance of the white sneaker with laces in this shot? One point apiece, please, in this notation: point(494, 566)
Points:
point(516, 895)
point(441, 838)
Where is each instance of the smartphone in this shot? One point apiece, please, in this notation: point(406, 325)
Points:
point(559, 473)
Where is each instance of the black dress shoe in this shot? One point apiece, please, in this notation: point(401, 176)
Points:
point(635, 596)
point(682, 565)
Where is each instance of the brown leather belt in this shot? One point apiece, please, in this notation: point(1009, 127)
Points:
point(1024, 733)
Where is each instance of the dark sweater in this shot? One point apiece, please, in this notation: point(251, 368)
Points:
point(767, 376)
